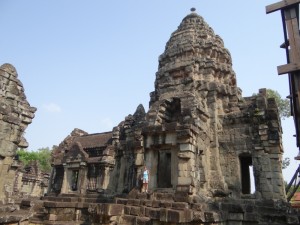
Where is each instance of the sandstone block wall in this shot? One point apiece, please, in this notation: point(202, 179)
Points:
point(15, 115)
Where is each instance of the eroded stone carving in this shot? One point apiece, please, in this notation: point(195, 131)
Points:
point(199, 140)
point(15, 115)
point(15, 112)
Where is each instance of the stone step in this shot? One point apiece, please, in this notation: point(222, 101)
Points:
point(48, 222)
point(166, 196)
point(139, 220)
point(9, 208)
point(38, 217)
point(144, 215)
point(92, 198)
point(152, 203)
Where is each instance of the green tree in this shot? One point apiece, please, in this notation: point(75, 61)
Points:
point(284, 110)
point(284, 107)
point(285, 163)
point(26, 157)
point(42, 155)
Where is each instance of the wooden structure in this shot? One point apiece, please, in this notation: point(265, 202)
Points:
point(290, 21)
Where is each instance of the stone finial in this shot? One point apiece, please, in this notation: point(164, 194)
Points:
point(10, 69)
point(193, 9)
point(140, 113)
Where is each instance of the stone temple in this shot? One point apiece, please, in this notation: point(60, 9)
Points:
point(15, 115)
point(200, 139)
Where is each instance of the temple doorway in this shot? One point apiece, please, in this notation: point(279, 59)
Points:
point(57, 182)
point(246, 174)
point(164, 170)
point(74, 180)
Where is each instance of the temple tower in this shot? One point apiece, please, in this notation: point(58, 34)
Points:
point(202, 135)
point(199, 140)
point(15, 115)
point(194, 84)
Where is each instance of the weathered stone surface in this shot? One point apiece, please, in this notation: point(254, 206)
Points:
point(112, 209)
point(15, 111)
point(15, 115)
point(199, 139)
point(176, 216)
point(143, 221)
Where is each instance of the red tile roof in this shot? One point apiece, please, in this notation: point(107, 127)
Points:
point(295, 201)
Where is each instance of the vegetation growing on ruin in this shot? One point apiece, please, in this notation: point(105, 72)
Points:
point(42, 155)
point(284, 107)
point(283, 104)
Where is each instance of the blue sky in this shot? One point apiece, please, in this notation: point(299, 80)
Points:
point(88, 64)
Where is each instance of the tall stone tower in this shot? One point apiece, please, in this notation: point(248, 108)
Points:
point(202, 136)
point(15, 115)
point(200, 139)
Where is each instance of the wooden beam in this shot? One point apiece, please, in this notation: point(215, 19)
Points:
point(296, 102)
point(280, 5)
point(294, 39)
point(288, 68)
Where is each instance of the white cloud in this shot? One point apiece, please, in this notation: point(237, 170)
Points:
point(52, 107)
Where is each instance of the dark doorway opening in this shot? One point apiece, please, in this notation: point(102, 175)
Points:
point(74, 178)
point(93, 177)
point(58, 179)
point(164, 170)
point(246, 166)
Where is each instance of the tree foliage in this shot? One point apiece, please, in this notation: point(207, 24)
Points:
point(285, 163)
point(284, 110)
point(42, 155)
point(284, 107)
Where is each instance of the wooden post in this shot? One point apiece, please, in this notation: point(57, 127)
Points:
point(290, 12)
